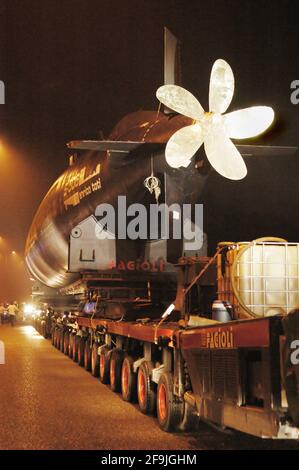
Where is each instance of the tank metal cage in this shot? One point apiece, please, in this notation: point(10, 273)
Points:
point(259, 278)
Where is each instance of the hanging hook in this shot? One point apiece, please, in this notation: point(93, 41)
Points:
point(152, 183)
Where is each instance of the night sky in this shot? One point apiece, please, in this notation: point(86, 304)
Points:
point(73, 68)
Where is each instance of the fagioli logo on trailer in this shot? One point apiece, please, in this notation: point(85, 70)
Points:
point(222, 338)
point(2, 353)
point(2, 92)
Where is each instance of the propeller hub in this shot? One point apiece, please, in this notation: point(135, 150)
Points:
point(210, 119)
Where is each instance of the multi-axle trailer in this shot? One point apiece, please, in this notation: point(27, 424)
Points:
point(224, 351)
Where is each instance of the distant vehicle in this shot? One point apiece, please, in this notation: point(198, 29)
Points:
point(5, 315)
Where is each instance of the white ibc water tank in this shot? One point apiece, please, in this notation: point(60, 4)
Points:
point(260, 278)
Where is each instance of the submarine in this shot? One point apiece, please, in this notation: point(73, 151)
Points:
point(100, 171)
point(99, 176)
point(136, 161)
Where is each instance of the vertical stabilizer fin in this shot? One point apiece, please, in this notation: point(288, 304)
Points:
point(172, 61)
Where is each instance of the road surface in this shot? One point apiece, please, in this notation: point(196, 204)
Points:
point(49, 402)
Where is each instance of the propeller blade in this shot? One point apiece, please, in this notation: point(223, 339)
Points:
point(222, 85)
point(182, 145)
point(248, 122)
point(180, 100)
point(223, 154)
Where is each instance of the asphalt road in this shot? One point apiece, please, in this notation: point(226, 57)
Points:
point(49, 402)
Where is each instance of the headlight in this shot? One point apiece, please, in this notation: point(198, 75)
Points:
point(29, 309)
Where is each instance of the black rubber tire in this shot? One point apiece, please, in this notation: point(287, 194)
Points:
point(146, 390)
point(56, 344)
point(128, 380)
point(56, 337)
point(190, 420)
point(48, 328)
point(116, 360)
point(87, 355)
point(95, 363)
point(76, 347)
point(169, 411)
point(66, 340)
point(61, 345)
point(71, 345)
point(47, 331)
point(60, 339)
point(104, 365)
point(60, 334)
point(43, 329)
point(53, 335)
point(81, 348)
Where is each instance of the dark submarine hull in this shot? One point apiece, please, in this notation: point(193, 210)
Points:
point(100, 177)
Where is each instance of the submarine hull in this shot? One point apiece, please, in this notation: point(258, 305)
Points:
point(100, 177)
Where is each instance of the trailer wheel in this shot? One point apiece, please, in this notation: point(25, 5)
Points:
point(95, 361)
point(81, 348)
point(128, 380)
point(87, 355)
point(104, 365)
point(56, 338)
point(146, 393)
point(43, 329)
point(71, 345)
point(116, 360)
point(190, 420)
point(169, 411)
point(53, 335)
point(48, 328)
point(66, 341)
point(75, 348)
point(61, 345)
point(59, 339)
point(56, 344)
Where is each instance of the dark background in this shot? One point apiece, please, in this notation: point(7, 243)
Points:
point(74, 67)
